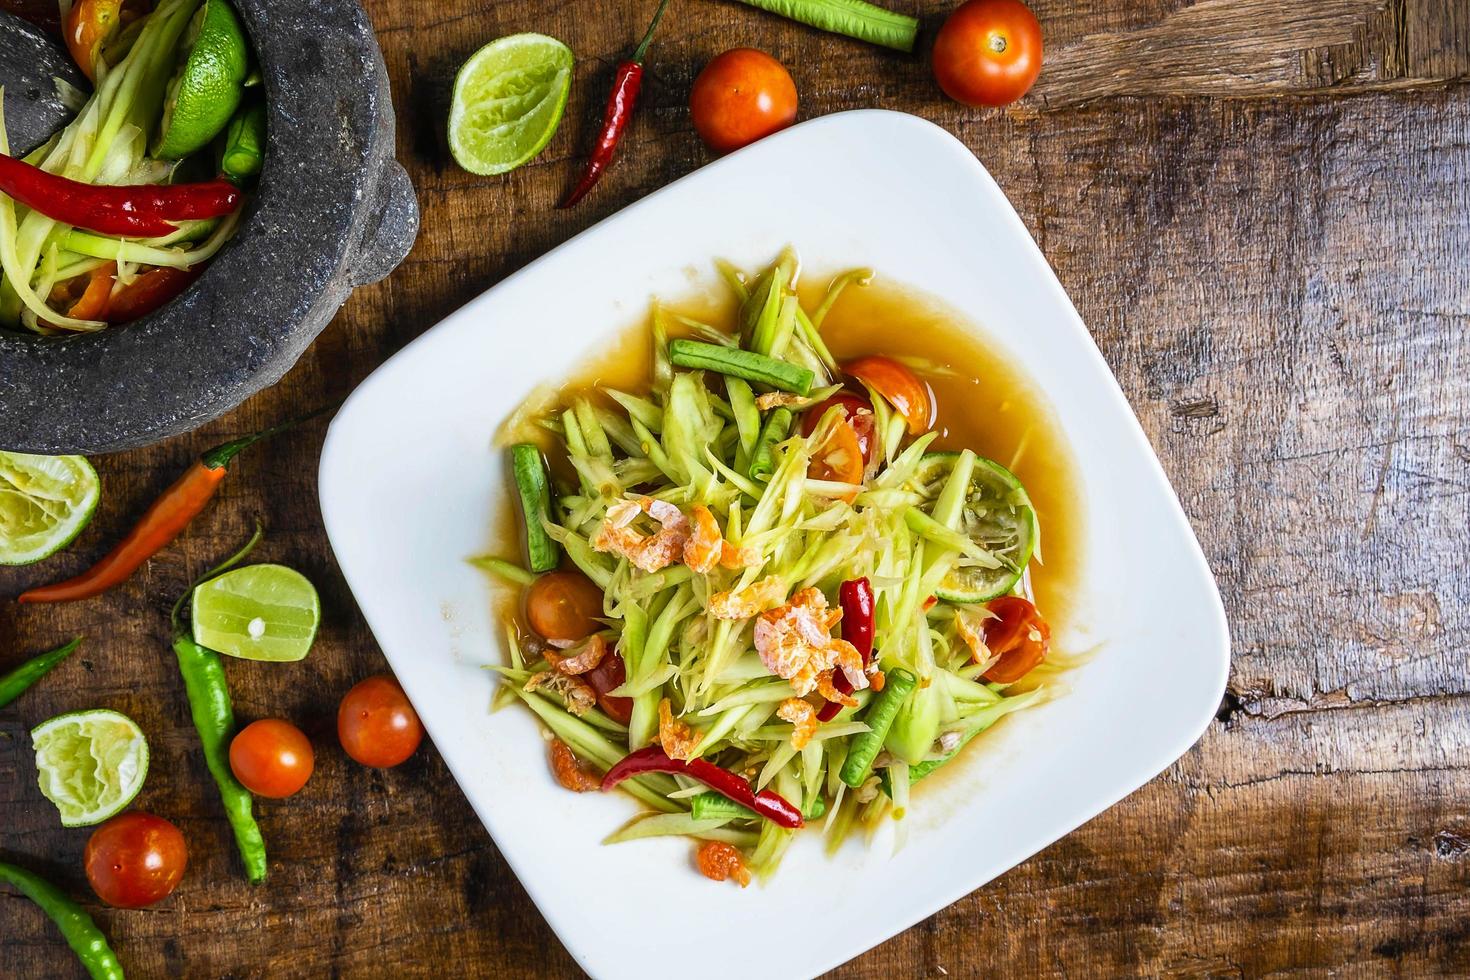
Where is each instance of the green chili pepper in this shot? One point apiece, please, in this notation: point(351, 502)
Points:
point(15, 683)
point(81, 933)
point(742, 364)
point(214, 718)
point(244, 143)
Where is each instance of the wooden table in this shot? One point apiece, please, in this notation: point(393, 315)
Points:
point(1261, 210)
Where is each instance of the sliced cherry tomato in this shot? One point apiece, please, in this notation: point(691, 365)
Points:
point(988, 53)
point(901, 387)
point(564, 606)
point(1019, 636)
point(135, 859)
point(376, 724)
point(854, 408)
point(150, 291)
point(741, 96)
point(86, 297)
point(271, 758)
point(840, 458)
point(90, 24)
point(608, 674)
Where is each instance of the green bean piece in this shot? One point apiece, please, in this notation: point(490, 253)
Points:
point(76, 926)
point(19, 680)
point(713, 806)
point(214, 718)
point(777, 427)
point(864, 748)
point(244, 143)
point(742, 364)
point(535, 492)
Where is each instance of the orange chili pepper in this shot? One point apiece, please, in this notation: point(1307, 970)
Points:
point(169, 515)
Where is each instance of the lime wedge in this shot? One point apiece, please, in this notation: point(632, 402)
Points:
point(507, 102)
point(45, 501)
point(204, 93)
point(91, 764)
point(259, 612)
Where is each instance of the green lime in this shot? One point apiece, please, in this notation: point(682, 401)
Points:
point(208, 86)
point(91, 764)
point(259, 612)
point(997, 515)
point(508, 99)
point(45, 501)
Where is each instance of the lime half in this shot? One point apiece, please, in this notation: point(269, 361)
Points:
point(91, 764)
point(209, 84)
point(45, 501)
point(259, 612)
point(508, 99)
point(997, 516)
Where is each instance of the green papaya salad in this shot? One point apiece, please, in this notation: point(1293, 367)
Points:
point(756, 595)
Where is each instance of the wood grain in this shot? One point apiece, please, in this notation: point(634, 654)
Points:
point(1260, 209)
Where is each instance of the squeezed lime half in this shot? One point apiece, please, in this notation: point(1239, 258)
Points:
point(259, 612)
point(206, 90)
point(997, 515)
point(90, 764)
point(508, 100)
point(45, 501)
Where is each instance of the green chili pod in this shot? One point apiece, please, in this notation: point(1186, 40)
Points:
point(214, 718)
point(80, 932)
point(15, 683)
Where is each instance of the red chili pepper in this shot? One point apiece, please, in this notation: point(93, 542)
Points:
point(620, 105)
point(773, 807)
point(150, 291)
point(163, 522)
point(129, 210)
point(856, 598)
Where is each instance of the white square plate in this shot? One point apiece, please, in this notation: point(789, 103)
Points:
point(410, 485)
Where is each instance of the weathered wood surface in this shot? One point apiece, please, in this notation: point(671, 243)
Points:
point(1261, 210)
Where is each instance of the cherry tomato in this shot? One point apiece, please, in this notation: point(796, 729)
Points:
point(608, 674)
point(150, 291)
point(901, 387)
point(564, 606)
point(89, 24)
point(1019, 636)
point(741, 96)
point(988, 53)
point(86, 297)
point(839, 459)
point(376, 724)
point(271, 758)
point(135, 859)
point(854, 408)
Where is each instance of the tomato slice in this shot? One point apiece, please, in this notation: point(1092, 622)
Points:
point(901, 387)
point(90, 24)
point(93, 301)
point(840, 458)
point(608, 674)
point(855, 408)
point(1019, 636)
point(150, 291)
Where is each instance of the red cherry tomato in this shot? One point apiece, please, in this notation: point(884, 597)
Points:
point(88, 25)
point(741, 96)
point(988, 53)
point(376, 724)
point(564, 606)
point(271, 758)
point(839, 459)
point(150, 291)
point(1019, 636)
point(135, 859)
point(608, 674)
point(854, 409)
point(86, 297)
point(899, 386)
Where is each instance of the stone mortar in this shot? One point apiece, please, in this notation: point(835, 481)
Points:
point(333, 210)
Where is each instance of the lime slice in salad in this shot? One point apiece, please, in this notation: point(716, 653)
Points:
point(45, 501)
point(997, 515)
point(91, 764)
point(204, 93)
point(508, 100)
point(259, 612)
